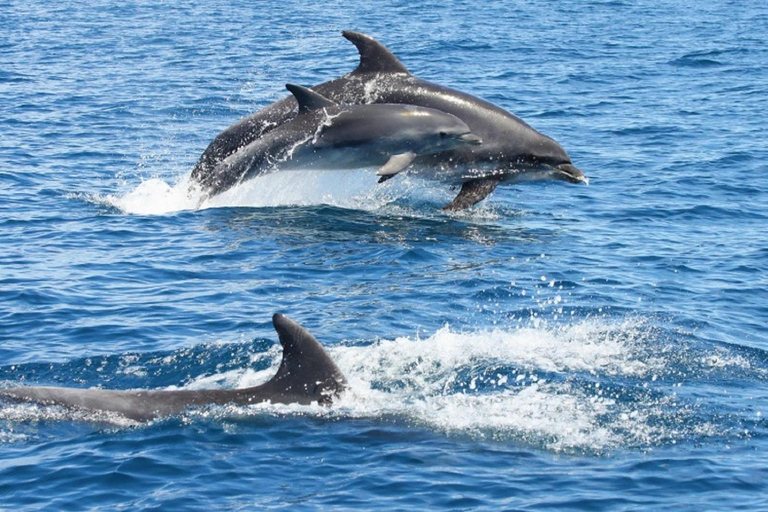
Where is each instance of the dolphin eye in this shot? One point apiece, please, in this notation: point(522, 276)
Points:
point(443, 135)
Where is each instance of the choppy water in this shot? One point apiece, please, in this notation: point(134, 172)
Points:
point(599, 347)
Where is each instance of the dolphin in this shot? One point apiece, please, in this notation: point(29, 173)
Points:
point(306, 375)
point(328, 136)
point(512, 151)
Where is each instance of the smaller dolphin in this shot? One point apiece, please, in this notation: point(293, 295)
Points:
point(328, 136)
point(511, 152)
point(306, 375)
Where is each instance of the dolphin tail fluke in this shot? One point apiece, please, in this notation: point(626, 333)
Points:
point(472, 192)
point(374, 56)
point(306, 370)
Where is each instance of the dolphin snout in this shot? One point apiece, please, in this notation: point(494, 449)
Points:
point(471, 138)
point(571, 173)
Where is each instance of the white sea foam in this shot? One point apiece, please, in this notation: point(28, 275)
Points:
point(31, 412)
point(493, 384)
point(345, 189)
point(435, 382)
point(355, 189)
point(154, 196)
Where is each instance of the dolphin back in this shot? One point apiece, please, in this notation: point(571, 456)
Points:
point(306, 375)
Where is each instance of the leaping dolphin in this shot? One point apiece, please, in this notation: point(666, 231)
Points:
point(328, 136)
point(306, 375)
point(511, 152)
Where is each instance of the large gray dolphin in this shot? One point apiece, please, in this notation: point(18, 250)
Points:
point(328, 136)
point(306, 375)
point(511, 152)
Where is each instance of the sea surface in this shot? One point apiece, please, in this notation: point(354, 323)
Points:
point(600, 347)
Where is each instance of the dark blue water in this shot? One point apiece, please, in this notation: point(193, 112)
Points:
point(560, 346)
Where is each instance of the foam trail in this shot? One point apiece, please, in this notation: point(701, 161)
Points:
point(499, 384)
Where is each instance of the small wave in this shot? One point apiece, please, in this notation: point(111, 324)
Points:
point(692, 61)
point(11, 77)
point(703, 58)
point(647, 130)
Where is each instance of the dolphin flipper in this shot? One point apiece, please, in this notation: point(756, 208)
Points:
point(472, 192)
point(374, 56)
point(394, 165)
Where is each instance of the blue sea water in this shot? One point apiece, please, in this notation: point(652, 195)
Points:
point(558, 347)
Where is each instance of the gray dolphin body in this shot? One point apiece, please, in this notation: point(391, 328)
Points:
point(511, 151)
point(306, 375)
point(328, 136)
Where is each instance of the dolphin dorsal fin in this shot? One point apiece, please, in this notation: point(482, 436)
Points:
point(308, 99)
point(306, 369)
point(374, 56)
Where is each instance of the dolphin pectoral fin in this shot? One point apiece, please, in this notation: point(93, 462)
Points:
point(394, 165)
point(374, 56)
point(472, 192)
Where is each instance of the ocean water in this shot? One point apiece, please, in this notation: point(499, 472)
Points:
point(557, 347)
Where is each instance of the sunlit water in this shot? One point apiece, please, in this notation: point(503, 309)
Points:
point(559, 346)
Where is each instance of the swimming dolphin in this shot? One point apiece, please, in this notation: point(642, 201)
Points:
point(511, 152)
point(328, 136)
point(306, 375)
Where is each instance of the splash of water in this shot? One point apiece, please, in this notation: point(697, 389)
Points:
point(350, 189)
point(517, 385)
point(154, 197)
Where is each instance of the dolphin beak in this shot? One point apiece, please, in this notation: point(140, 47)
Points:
point(471, 138)
point(571, 174)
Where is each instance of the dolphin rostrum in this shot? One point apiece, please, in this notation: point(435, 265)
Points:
point(511, 152)
point(306, 375)
point(328, 136)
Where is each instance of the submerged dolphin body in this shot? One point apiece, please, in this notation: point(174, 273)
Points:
point(306, 375)
point(328, 136)
point(511, 152)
